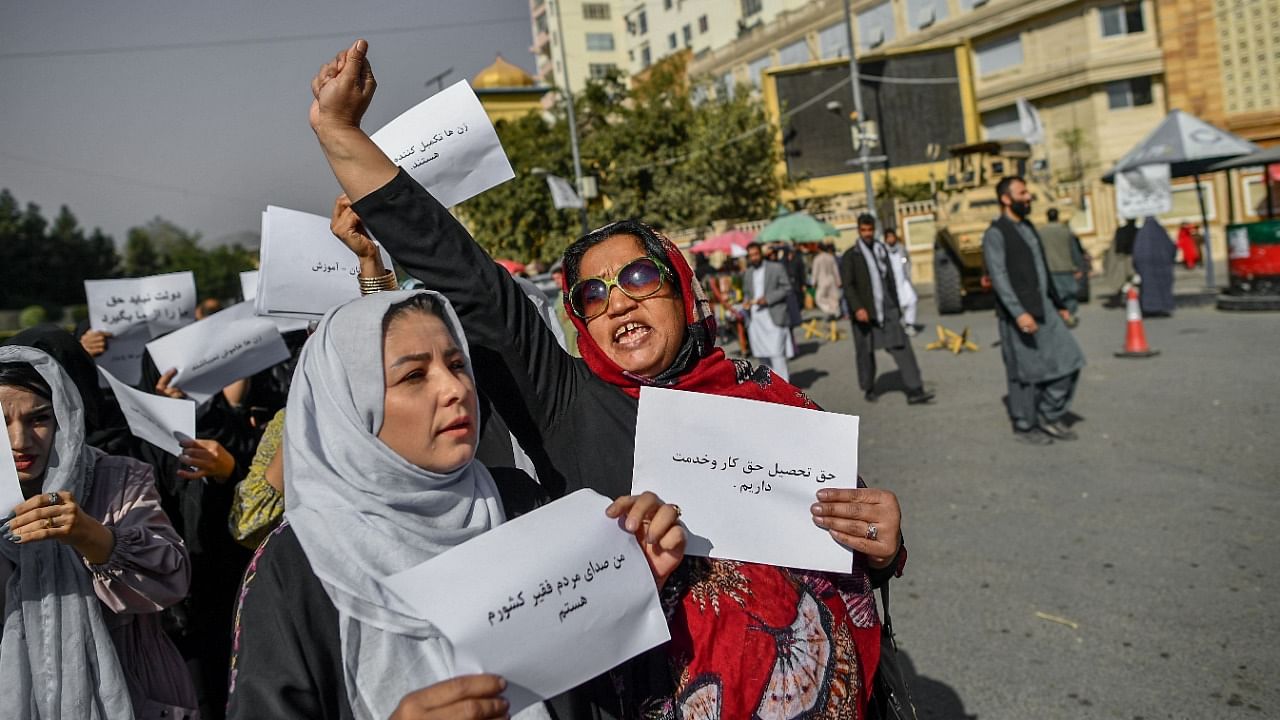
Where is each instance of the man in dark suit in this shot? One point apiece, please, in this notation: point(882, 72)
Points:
point(870, 282)
point(765, 290)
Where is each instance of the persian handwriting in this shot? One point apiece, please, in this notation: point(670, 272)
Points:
point(747, 467)
point(566, 583)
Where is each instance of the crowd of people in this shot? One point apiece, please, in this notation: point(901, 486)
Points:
point(242, 578)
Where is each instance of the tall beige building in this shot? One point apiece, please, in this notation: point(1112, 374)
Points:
point(592, 35)
point(657, 28)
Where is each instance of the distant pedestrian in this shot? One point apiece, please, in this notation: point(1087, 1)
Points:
point(1153, 257)
point(826, 281)
point(1189, 244)
point(1118, 262)
point(766, 290)
point(870, 282)
point(1041, 358)
point(1066, 262)
point(907, 296)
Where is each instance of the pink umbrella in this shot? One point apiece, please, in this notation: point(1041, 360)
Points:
point(733, 242)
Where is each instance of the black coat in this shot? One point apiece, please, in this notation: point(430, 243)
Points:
point(855, 282)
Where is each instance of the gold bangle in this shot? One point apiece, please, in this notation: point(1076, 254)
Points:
point(371, 285)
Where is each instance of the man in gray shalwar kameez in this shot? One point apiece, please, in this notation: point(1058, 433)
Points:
point(1041, 357)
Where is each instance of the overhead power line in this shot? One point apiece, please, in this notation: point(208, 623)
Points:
point(351, 34)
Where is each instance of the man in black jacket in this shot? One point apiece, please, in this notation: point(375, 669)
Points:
point(870, 281)
point(1041, 358)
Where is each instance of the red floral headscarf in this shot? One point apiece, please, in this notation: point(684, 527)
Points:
point(701, 366)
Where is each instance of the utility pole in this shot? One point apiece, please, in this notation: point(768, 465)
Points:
point(573, 122)
point(438, 80)
point(864, 148)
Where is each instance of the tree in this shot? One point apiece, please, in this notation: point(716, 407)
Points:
point(160, 246)
point(657, 155)
point(47, 263)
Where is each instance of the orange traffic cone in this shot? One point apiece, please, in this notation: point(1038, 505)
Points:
point(1135, 338)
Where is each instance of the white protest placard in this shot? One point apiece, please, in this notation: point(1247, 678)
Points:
point(134, 310)
point(161, 421)
point(547, 601)
point(1144, 190)
point(448, 144)
point(304, 270)
point(212, 353)
point(10, 488)
point(745, 485)
point(249, 284)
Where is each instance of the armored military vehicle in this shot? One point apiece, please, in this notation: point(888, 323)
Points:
point(965, 208)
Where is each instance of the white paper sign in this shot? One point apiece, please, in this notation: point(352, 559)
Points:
point(214, 352)
point(134, 310)
point(547, 601)
point(249, 284)
point(123, 356)
point(745, 485)
point(161, 421)
point(1143, 191)
point(448, 145)
point(10, 487)
point(303, 269)
point(563, 196)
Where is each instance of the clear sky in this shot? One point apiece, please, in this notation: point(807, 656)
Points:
point(212, 128)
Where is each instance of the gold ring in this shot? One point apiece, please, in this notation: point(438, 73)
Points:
point(679, 512)
point(48, 523)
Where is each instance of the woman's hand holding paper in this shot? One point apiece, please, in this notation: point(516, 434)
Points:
point(656, 526)
point(867, 520)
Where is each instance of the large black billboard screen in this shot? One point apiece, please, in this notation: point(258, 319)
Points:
point(909, 115)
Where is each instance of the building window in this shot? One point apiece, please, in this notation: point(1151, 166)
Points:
point(702, 24)
point(599, 41)
point(1124, 19)
point(541, 23)
point(643, 21)
point(666, 4)
point(751, 7)
point(794, 54)
point(971, 4)
point(595, 11)
point(998, 55)
point(834, 41)
point(599, 71)
point(756, 67)
point(1002, 124)
point(875, 26)
point(687, 32)
point(646, 57)
point(1133, 92)
point(923, 13)
point(672, 43)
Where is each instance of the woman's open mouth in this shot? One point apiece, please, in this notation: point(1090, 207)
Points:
point(631, 333)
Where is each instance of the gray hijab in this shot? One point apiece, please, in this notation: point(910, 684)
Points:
point(362, 512)
point(57, 660)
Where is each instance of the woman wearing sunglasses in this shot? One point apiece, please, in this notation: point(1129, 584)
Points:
point(748, 640)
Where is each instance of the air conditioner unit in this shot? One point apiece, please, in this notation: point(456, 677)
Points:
point(875, 36)
point(925, 17)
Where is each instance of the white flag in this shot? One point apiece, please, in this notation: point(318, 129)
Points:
point(562, 193)
point(1029, 122)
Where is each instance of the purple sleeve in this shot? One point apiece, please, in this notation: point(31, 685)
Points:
point(148, 569)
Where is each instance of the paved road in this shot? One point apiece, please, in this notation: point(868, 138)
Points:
point(1156, 533)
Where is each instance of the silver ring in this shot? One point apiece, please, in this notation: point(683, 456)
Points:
point(872, 532)
point(54, 498)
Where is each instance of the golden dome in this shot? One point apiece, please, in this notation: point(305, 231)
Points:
point(502, 74)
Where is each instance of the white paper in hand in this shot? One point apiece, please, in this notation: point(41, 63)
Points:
point(134, 310)
point(303, 269)
point(10, 488)
point(218, 350)
point(161, 421)
point(745, 485)
point(547, 601)
point(448, 145)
